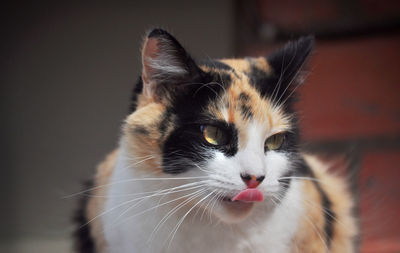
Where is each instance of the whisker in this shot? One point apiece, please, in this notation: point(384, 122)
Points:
point(202, 169)
point(283, 72)
point(318, 232)
point(302, 178)
point(134, 180)
point(147, 197)
point(163, 204)
point(143, 160)
point(293, 57)
point(149, 192)
point(158, 193)
point(183, 218)
point(206, 206)
point(217, 196)
point(312, 203)
point(170, 213)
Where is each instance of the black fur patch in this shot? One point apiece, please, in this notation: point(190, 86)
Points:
point(244, 98)
point(165, 122)
point(329, 217)
point(83, 239)
point(262, 81)
point(186, 144)
point(286, 64)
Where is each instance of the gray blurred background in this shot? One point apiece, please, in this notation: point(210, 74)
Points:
point(67, 70)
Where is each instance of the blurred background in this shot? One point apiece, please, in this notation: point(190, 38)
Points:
point(67, 69)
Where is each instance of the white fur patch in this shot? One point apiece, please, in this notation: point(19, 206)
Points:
point(165, 66)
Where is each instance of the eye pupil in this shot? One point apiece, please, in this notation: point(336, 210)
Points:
point(214, 135)
point(274, 142)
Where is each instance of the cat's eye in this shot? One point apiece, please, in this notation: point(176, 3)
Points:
point(274, 142)
point(214, 135)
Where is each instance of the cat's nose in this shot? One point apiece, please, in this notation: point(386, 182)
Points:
point(251, 181)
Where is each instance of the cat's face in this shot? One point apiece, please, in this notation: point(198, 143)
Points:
point(228, 123)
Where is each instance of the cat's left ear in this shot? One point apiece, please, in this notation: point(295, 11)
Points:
point(166, 66)
point(287, 63)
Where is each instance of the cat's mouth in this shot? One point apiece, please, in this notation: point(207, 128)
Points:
point(232, 211)
point(247, 195)
point(236, 207)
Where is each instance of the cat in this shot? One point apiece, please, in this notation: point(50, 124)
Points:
point(209, 161)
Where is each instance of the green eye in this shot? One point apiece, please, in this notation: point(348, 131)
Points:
point(214, 135)
point(274, 142)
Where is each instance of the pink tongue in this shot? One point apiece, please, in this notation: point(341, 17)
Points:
point(249, 195)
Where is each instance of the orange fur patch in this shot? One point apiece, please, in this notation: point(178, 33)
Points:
point(147, 143)
point(96, 204)
point(311, 232)
point(240, 65)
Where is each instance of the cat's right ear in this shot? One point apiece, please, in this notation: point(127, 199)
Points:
point(166, 66)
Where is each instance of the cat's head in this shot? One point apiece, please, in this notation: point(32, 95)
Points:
point(228, 122)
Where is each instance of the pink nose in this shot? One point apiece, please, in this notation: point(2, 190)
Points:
point(251, 181)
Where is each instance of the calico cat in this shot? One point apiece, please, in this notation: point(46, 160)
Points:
point(209, 161)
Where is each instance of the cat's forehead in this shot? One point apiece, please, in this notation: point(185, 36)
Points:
point(240, 101)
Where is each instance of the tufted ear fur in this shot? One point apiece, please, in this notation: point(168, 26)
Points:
point(286, 64)
point(166, 66)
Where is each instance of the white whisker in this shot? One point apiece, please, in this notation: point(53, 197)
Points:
point(134, 180)
point(170, 213)
point(147, 197)
point(163, 204)
point(183, 218)
point(157, 193)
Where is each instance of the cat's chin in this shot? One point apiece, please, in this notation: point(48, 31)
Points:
point(232, 211)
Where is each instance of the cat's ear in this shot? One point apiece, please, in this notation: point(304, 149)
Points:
point(166, 66)
point(287, 65)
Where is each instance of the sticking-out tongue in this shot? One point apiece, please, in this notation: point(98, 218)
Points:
point(249, 195)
